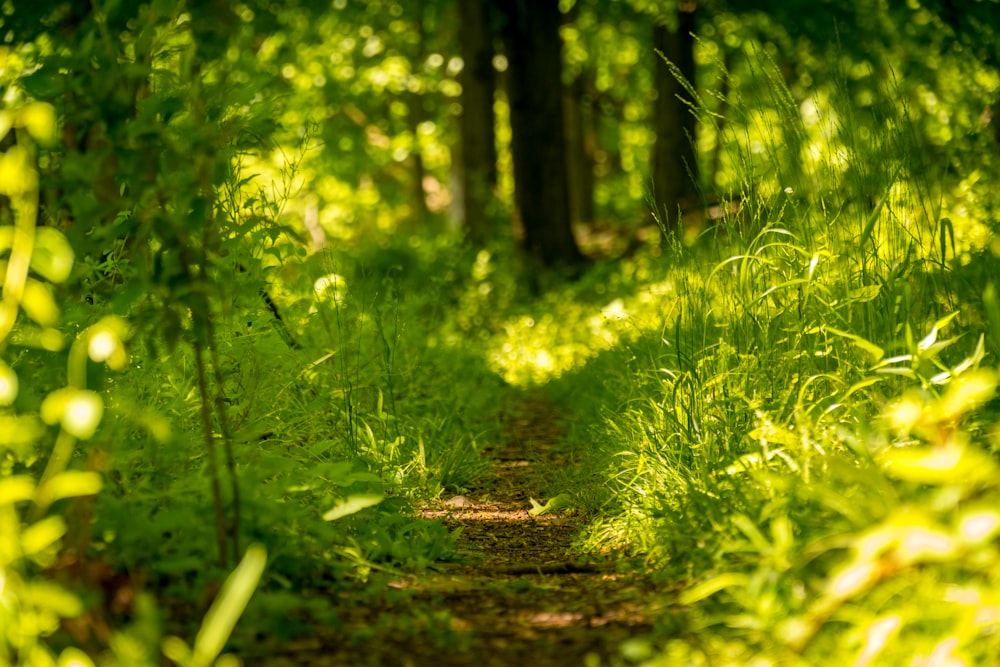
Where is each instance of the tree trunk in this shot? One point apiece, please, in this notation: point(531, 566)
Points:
point(581, 161)
point(541, 175)
point(478, 154)
point(675, 164)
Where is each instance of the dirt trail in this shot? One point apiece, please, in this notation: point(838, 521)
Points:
point(521, 598)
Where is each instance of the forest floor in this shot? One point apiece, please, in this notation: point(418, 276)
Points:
point(518, 596)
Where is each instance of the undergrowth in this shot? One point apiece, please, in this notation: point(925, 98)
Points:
point(794, 419)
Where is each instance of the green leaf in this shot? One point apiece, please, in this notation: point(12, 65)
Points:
point(352, 505)
point(871, 348)
point(52, 598)
point(952, 464)
point(16, 489)
point(709, 588)
point(865, 293)
point(8, 384)
point(551, 505)
point(52, 257)
point(42, 535)
point(222, 616)
point(72, 484)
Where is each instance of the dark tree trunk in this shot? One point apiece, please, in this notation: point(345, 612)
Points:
point(541, 175)
point(478, 155)
point(675, 165)
point(581, 160)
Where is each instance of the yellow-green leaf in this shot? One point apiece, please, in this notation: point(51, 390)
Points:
point(228, 607)
point(74, 657)
point(39, 119)
point(712, 586)
point(39, 304)
point(951, 464)
point(52, 257)
point(72, 484)
point(16, 489)
point(352, 505)
point(52, 598)
point(8, 384)
point(42, 535)
point(966, 392)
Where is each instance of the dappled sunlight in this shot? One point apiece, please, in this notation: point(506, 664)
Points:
point(534, 351)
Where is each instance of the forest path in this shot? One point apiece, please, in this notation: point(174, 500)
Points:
point(521, 596)
point(525, 598)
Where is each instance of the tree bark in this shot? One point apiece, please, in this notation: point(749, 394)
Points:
point(581, 160)
point(541, 174)
point(675, 164)
point(478, 153)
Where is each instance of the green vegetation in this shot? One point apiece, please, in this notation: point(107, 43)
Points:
point(246, 338)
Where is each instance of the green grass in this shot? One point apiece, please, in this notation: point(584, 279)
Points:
point(795, 421)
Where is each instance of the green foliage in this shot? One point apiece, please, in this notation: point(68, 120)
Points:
point(225, 320)
point(773, 433)
point(30, 539)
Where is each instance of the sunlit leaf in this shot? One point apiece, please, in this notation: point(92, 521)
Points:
point(877, 636)
point(352, 505)
point(966, 392)
point(872, 349)
point(74, 657)
point(39, 119)
point(712, 586)
point(105, 342)
point(551, 505)
point(751, 532)
point(332, 286)
point(71, 484)
point(979, 526)
point(53, 598)
point(929, 341)
point(744, 463)
point(858, 386)
point(8, 384)
point(6, 122)
point(227, 608)
point(176, 649)
point(78, 411)
point(18, 432)
point(973, 360)
point(876, 541)
point(950, 464)
point(52, 257)
point(905, 412)
point(774, 434)
point(42, 535)
point(852, 579)
point(39, 304)
point(920, 544)
point(17, 173)
point(16, 489)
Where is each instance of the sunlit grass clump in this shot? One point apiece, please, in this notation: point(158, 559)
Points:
point(801, 436)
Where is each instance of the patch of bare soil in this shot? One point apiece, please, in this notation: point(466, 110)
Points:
point(521, 597)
